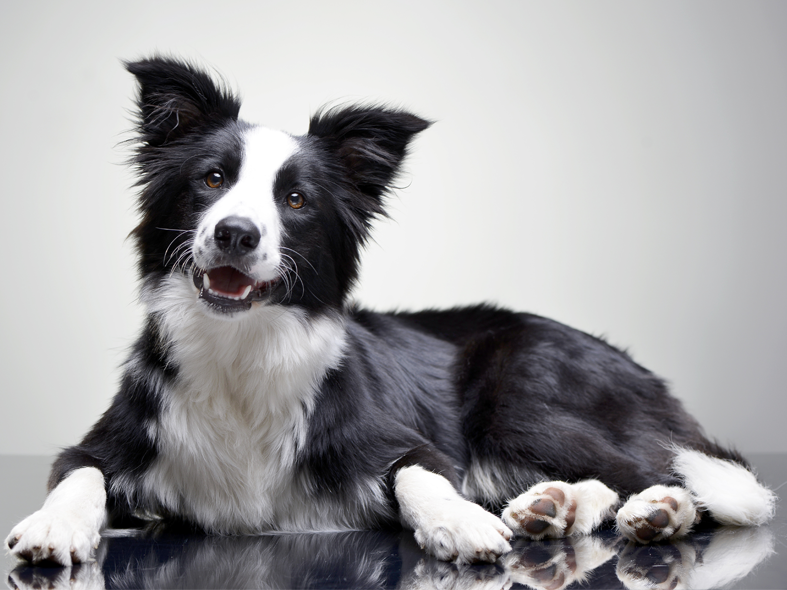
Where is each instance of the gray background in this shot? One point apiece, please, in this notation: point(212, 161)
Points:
point(621, 167)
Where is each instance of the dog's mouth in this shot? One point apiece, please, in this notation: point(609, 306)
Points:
point(228, 289)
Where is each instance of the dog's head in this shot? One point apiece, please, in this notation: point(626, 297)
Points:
point(250, 214)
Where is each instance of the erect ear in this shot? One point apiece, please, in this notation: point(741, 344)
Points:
point(174, 96)
point(370, 141)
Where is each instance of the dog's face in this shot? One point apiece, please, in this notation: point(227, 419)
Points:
point(250, 215)
point(237, 245)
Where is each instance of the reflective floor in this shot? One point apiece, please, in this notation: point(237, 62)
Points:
point(717, 558)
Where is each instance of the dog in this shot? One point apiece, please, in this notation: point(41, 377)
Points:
point(258, 398)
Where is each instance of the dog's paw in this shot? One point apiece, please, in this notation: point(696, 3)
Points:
point(546, 510)
point(446, 525)
point(657, 514)
point(55, 536)
point(463, 532)
point(557, 509)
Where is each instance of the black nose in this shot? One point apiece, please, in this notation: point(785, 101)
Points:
point(236, 235)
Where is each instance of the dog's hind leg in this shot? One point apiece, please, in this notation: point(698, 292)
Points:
point(725, 489)
point(67, 528)
point(558, 509)
point(658, 513)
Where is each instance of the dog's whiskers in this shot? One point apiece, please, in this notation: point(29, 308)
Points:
point(183, 252)
point(187, 243)
point(299, 254)
point(291, 268)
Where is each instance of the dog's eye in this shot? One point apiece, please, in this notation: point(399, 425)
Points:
point(296, 200)
point(214, 179)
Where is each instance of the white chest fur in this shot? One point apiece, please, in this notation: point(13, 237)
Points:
point(233, 422)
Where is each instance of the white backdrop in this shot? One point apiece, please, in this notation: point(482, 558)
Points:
point(621, 167)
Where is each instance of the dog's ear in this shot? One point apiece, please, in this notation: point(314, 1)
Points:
point(371, 142)
point(174, 96)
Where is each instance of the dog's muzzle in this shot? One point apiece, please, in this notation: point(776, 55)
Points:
point(224, 283)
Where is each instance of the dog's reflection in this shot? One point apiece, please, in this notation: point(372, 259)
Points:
point(165, 559)
point(710, 560)
point(161, 559)
point(556, 564)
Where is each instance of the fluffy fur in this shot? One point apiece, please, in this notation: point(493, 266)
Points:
point(257, 398)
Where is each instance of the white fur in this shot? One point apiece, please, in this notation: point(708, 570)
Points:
point(238, 412)
point(445, 524)
point(591, 500)
point(488, 480)
point(729, 491)
point(595, 503)
point(67, 528)
point(483, 481)
point(640, 506)
point(264, 152)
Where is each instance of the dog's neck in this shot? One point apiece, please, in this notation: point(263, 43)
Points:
point(269, 359)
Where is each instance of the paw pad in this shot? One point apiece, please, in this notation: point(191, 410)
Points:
point(659, 523)
point(658, 519)
point(544, 507)
point(541, 514)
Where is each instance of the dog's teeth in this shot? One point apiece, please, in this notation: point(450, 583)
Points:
point(206, 287)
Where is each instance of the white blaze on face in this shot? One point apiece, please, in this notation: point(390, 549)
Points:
point(251, 197)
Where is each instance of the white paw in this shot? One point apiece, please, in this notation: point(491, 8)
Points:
point(463, 532)
point(656, 514)
point(67, 528)
point(445, 524)
point(60, 536)
point(545, 510)
point(557, 509)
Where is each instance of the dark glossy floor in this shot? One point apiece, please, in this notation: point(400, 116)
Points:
point(720, 558)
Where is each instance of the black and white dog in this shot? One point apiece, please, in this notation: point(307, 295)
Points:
point(258, 399)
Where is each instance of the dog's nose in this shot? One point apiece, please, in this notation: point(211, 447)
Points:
point(236, 235)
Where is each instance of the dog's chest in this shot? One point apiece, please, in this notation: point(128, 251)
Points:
point(225, 464)
point(230, 430)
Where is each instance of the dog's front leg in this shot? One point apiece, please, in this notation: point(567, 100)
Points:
point(67, 528)
point(445, 524)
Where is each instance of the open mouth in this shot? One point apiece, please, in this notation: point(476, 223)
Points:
point(228, 289)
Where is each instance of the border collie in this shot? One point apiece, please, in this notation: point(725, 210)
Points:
point(258, 399)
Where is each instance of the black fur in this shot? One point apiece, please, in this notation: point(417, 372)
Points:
point(439, 389)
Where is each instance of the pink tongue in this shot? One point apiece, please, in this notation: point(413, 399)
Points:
point(228, 281)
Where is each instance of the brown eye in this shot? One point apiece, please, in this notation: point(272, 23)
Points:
point(296, 200)
point(214, 179)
